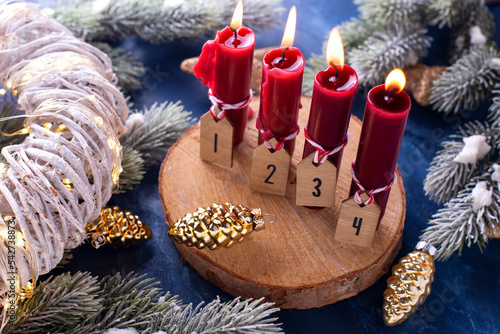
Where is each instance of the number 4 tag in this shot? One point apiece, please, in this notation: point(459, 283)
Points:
point(357, 224)
point(270, 170)
point(316, 184)
point(216, 140)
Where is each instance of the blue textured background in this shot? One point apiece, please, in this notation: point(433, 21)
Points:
point(466, 294)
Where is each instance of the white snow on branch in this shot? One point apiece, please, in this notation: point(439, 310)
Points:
point(475, 149)
point(481, 196)
point(476, 36)
point(496, 174)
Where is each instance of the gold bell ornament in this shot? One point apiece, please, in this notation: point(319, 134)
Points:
point(219, 225)
point(409, 285)
point(117, 228)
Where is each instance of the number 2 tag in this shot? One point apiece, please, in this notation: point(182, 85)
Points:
point(270, 170)
point(357, 224)
point(216, 140)
point(316, 184)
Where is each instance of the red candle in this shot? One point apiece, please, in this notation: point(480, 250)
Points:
point(282, 71)
point(332, 99)
point(384, 121)
point(225, 66)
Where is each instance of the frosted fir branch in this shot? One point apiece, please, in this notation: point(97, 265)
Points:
point(75, 304)
point(158, 21)
point(494, 111)
point(449, 12)
point(162, 125)
point(233, 317)
point(445, 177)
point(467, 83)
point(133, 170)
point(457, 224)
point(56, 304)
point(125, 66)
point(355, 32)
point(480, 21)
point(127, 302)
point(384, 51)
point(399, 13)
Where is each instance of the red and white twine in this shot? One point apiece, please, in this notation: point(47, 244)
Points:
point(321, 154)
point(370, 193)
point(224, 106)
point(267, 135)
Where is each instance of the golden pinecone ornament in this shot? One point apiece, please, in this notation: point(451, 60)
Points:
point(117, 228)
point(219, 225)
point(409, 284)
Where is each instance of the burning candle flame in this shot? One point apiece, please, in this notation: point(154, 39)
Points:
point(395, 80)
point(335, 49)
point(289, 34)
point(237, 17)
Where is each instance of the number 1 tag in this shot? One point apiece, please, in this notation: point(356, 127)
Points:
point(216, 140)
point(270, 170)
point(357, 224)
point(316, 184)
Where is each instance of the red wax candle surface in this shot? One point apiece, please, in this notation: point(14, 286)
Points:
point(225, 65)
point(380, 140)
point(280, 93)
point(331, 107)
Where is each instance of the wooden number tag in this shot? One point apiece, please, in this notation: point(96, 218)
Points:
point(270, 170)
point(316, 184)
point(357, 224)
point(216, 140)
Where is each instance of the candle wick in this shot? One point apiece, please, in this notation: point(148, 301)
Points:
point(389, 98)
point(235, 33)
point(283, 55)
point(336, 69)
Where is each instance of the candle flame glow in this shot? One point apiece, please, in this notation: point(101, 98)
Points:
point(289, 34)
point(237, 16)
point(335, 49)
point(395, 79)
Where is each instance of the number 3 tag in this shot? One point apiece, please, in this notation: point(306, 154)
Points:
point(270, 170)
point(316, 184)
point(357, 224)
point(216, 140)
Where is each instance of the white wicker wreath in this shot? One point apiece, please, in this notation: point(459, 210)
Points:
point(61, 83)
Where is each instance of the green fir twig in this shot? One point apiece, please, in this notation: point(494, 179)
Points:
point(75, 304)
point(384, 51)
point(467, 83)
point(125, 66)
point(163, 124)
point(158, 21)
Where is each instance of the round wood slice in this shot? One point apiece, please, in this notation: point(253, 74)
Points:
point(295, 261)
